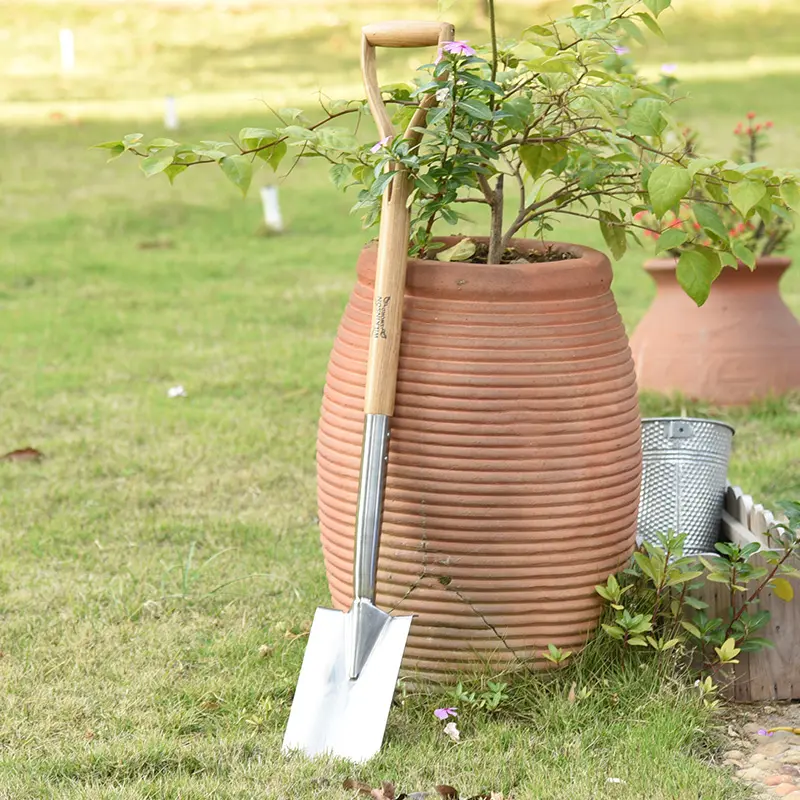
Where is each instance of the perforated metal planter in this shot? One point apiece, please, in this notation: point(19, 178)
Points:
point(685, 468)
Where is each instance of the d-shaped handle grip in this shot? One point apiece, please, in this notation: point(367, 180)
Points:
point(397, 34)
point(407, 34)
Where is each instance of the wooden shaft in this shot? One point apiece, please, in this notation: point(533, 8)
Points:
point(390, 270)
point(387, 302)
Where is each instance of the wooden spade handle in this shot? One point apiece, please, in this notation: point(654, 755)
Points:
point(406, 34)
point(390, 271)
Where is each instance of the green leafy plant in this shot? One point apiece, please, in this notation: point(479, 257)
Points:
point(490, 698)
point(705, 221)
point(654, 607)
point(556, 655)
point(554, 116)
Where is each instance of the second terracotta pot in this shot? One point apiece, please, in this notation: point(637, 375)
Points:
point(515, 458)
point(742, 345)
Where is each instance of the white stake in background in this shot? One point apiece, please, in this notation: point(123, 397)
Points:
point(272, 211)
point(170, 113)
point(67, 42)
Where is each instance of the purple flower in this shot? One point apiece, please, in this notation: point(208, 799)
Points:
point(444, 713)
point(761, 731)
point(669, 69)
point(382, 143)
point(458, 48)
point(622, 51)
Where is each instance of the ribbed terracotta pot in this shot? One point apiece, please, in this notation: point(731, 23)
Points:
point(515, 457)
point(742, 345)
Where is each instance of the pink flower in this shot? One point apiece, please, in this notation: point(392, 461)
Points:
point(762, 732)
point(444, 713)
point(458, 48)
point(751, 115)
point(382, 143)
point(669, 69)
point(769, 123)
point(622, 50)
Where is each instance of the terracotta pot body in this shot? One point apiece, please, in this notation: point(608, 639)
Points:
point(514, 464)
point(743, 344)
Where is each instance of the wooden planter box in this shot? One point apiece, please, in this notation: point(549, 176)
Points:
point(771, 673)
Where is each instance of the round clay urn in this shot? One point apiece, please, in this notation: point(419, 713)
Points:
point(514, 463)
point(741, 345)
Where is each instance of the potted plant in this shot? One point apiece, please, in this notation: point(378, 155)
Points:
point(744, 344)
point(515, 463)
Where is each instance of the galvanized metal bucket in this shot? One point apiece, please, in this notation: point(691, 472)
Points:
point(685, 468)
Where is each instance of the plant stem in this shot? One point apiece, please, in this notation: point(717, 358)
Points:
point(493, 33)
point(496, 232)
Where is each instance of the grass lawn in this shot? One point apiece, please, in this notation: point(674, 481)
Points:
point(159, 566)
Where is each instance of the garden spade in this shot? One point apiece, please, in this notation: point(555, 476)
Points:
point(352, 659)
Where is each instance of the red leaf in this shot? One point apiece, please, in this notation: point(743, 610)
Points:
point(25, 454)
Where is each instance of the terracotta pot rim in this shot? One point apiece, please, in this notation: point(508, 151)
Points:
point(763, 262)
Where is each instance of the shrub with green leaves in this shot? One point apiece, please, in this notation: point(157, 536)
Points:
point(654, 606)
point(554, 116)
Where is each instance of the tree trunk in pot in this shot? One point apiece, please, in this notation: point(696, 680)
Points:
point(742, 345)
point(515, 459)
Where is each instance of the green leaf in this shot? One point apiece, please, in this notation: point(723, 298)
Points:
point(643, 562)
point(162, 142)
point(273, 155)
point(696, 272)
point(745, 195)
point(728, 651)
point(637, 641)
point(667, 186)
point(613, 631)
point(174, 170)
point(782, 589)
point(693, 602)
point(340, 175)
point(790, 192)
point(651, 24)
point(645, 117)
point(116, 148)
point(744, 254)
point(238, 170)
point(299, 133)
point(696, 164)
point(632, 29)
point(670, 239)
point(475, 108)
point(613, 233)
point(253, 137)
point(710, 221)
point(657, 6)
point(755, 643)
point(538, 158)
point(157, 162)
point(461, 251)
point(132, 139)
point(693, 629)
